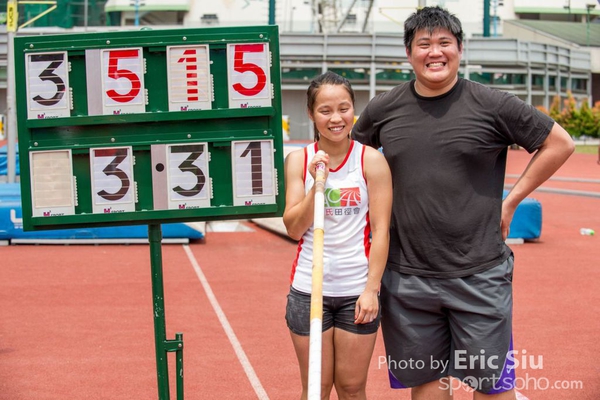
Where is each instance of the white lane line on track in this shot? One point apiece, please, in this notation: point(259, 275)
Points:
point(520, 396)
point(561, 191)
point(561, 178)
point(237, 347)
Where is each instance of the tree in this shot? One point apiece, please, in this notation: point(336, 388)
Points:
point(582, 121)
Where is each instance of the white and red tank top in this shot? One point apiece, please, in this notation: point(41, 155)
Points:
point(346, 229)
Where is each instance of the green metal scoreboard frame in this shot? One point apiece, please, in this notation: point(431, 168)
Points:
point(149, 126)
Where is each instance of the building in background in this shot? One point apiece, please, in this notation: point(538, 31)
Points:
point(535, 50)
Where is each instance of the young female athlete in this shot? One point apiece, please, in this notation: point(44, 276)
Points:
point(358, 199)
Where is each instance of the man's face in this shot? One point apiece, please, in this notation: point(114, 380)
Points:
point(435, 59)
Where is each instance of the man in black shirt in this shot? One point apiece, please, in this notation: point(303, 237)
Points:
point(447, 290)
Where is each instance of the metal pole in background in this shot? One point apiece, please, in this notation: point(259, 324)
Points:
point(11, 115)
point(137, 13)
point(589, 8)
point(85, 15)
point(12, 26)
point(271, 12)
point(486, 18)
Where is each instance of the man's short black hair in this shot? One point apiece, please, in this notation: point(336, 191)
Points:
point(431, 18)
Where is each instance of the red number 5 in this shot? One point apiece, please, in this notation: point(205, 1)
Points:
point(115, 73)
point(240, 66)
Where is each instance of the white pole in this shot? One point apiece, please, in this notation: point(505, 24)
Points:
point(316, 297)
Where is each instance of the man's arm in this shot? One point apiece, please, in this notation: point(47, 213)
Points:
point(553, 153)
point(362, 130)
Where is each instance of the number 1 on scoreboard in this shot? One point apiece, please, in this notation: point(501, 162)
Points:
point(254, 173)
point(190, 86)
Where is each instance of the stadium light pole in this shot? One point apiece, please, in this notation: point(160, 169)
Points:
point(486, 18)
point(589, 8)
point(271, 12)
point(568, 7)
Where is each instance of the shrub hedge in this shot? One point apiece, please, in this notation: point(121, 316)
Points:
point(578, 121)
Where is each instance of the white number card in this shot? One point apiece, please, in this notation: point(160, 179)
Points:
point(188, 71)
point(52, 183)
point(113, 187)
point(254, 179)
point(47, 85)
point(123, 81)
point(115, 81)
point(248, 72)
point(180, 176)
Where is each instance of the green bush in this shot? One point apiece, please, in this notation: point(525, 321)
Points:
point(582, 121)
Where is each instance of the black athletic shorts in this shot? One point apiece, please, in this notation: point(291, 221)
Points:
point(338, 312)
point(460, 327)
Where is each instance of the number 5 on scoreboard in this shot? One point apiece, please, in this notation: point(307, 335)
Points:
point(249, 76)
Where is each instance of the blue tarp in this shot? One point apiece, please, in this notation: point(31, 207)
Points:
point(11, 226)
point(4, 161)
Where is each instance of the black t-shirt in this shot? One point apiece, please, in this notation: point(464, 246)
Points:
point(448, 158)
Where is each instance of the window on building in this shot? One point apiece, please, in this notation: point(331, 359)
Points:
point(579, 85)
point(294, 75)
point(509, 79)
point(537, 82)
point(354, 75)
point(393, 76)
point(484, 78)
point(563, 83)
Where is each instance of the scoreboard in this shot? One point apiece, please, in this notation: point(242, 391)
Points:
point(149, 126)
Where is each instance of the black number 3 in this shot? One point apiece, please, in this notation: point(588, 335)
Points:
point(188, 166)
point(48, 75)
point(111, 169)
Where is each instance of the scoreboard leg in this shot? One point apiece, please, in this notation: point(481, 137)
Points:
point(162, 345)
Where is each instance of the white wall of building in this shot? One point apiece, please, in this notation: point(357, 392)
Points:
point(578, 4)
point(297, 15)
point(385, 16)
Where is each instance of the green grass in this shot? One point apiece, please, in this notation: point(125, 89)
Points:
point(586, 149)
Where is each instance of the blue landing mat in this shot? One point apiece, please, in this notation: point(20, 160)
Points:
point(11, 225)
point(527, 221)
point(4, 161)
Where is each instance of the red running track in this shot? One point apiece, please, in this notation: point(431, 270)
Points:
point(76, 321)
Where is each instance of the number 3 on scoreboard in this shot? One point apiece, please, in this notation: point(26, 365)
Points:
point(254, 175)
point(180, 176)
point(47, 85)
point(248, 72)
point(113, 187)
